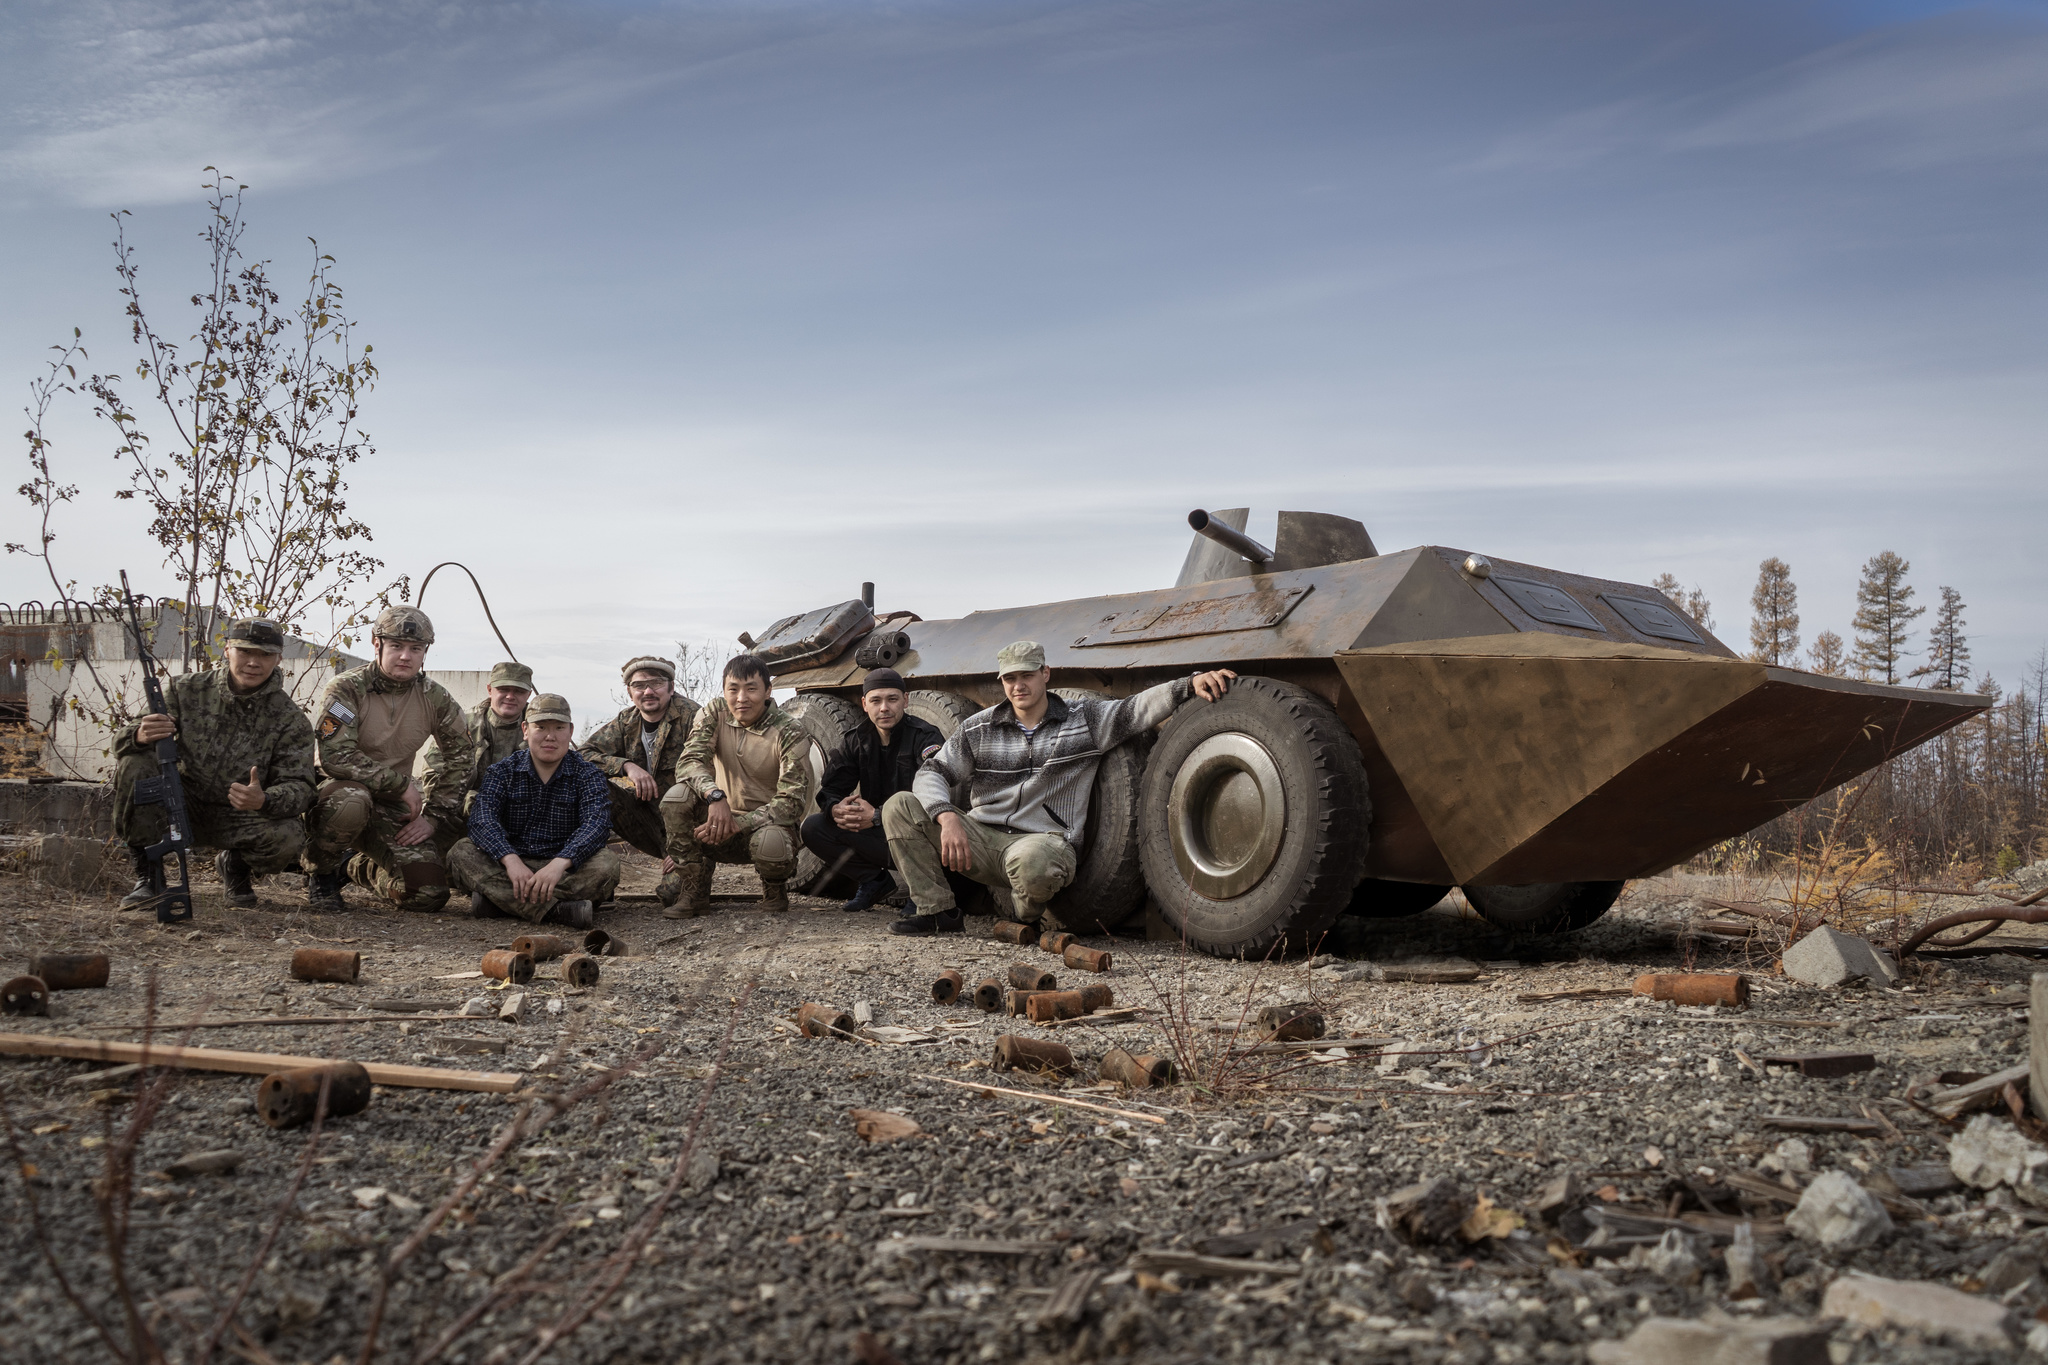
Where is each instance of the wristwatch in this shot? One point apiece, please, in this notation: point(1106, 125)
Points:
point(713, 797)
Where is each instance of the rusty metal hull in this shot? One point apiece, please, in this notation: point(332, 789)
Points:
point(1518, 725)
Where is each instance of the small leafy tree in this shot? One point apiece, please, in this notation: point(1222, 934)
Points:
point(1884, 611)
point(1948, 649)
point(1829, 655)
point(1774, 624)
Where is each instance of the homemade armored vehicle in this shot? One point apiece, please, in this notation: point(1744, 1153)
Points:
point(1402, 724)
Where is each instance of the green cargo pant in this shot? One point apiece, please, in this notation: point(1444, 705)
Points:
point(267, 843)
point(1034, 867)
point(771, 848)
point(595, 881)
point(347, 820)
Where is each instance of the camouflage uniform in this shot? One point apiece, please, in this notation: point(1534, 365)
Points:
point(618, 742)
point(221, 736)
point(494, 739)
point(766, 826)
point(361, 805)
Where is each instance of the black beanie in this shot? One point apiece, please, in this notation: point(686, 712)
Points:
point(882, 677)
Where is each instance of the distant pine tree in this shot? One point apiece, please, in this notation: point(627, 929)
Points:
point(1882, 616)
point(1948, 649)
point(1692, 601)
point(1828, 655)
point(1774, 626)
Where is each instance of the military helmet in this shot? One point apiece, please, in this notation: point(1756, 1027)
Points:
point(409, 624)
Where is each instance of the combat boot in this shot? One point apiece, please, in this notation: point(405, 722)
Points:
point(774, 896)
point(691, 889)
point(149, 882)
point(323, 891)
point(234, 879)
point(575, 914)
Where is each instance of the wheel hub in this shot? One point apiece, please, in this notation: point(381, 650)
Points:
point(1228, 813)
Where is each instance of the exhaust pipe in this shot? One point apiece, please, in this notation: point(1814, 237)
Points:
point(1236, 541)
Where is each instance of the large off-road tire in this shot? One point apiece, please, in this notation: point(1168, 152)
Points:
point(1252, 823)
point(1108, 889)
point(1374, 898)
point(942, 709)
point(830, 721)
point(1546, 908)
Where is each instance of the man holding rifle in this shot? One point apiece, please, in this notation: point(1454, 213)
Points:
point(245, 755)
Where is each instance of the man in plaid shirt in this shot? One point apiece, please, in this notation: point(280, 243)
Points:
point(538, 828)
point(1028, 766)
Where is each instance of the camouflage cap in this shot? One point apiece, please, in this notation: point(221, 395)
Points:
point(512, 675)
point(259, 633)
point(1025, 656)
point(409, 624)
point(648, 663)
point(548, 706)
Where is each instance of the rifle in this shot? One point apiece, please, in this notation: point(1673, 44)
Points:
point(166, 789)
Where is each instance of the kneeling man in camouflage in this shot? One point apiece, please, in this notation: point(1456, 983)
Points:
point(1028, 765)
point(538, 828)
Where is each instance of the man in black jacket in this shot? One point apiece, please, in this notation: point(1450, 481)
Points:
point(876, 762)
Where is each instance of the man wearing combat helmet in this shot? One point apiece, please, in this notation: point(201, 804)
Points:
point(638, 749)
point(371, 723)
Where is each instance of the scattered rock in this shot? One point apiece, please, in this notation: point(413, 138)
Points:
point(478, 1007)
point(1790, 1157)
point(1416, 1291)
point(513, 1011)
point(1749, 1274)
point(1839, 1214)
point(1828, 957)
point(2010, 1269)
point(1872, 1301)
point(875, 1126)
point(1427, 1211)
point(1716, 1340)
point(1990, 1152)
point(1673, 1259)
point(1557, 1197)
point(220, 1161)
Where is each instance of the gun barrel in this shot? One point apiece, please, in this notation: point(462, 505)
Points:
point(1231, 539)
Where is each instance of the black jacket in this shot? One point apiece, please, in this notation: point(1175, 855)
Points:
point(879, 771)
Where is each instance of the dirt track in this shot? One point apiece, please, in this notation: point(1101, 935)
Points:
point(787, 1236)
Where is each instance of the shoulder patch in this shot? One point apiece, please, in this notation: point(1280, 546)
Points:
point(930, 751)
point(341, 713)
point(328, 726)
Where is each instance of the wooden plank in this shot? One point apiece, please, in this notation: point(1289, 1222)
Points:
point(1978, 1093)
point(1822, 1065)
point(2037, 1047)
point(247, 1063)
point(1801, 1123)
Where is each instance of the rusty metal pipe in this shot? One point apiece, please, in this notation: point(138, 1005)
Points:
point(1730, 990)
point(1015, 931)
point(327, 964)
point(946, 987)
point(600, 944)
point(1014, 1001)
point(72, 971)
point(1229, 537)
point(1032, 979)
point(1087, 959)
point(287, 1099)
point(25, 995)
point(1055, 944)
point(1095, 998)
point(541, 947)
point(823, 1021)
point(988, 994)
point(502, 964)
point(580, 969)
point(1032, 1054)
point(1042, 1006)
point(1138, 1073)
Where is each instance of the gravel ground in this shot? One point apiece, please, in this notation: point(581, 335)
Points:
point(790, 1235)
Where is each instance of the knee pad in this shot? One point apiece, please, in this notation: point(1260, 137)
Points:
point(772, 845)
point(345, 815)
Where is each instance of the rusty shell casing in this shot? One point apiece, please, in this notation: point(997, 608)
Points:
point(1015, 1001)
point(287, 1099)
point(579, 969)
point(1055, 943)
point(505, 964)
point(1138, 1073)
point(1095, 998)
point(1032, 1054)
point(1291, 1023)
point(988, 994)
point(947, 986)
point(1730, 990)
point(1043, 1006)
point(541, 947)
point(600, 944)
point(1087, 959)
point(327, 964)
point(25, 995)
point(823, 1021)
point(1013, 931)
point(1026, 978)
point(72, 971)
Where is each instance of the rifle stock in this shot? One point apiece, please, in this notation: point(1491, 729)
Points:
point(166, 789)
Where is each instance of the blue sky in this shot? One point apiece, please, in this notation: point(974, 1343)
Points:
point(695, 315)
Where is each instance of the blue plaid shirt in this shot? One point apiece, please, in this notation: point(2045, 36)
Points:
point(568, 816)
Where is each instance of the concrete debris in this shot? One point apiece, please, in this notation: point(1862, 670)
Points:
point(1672, 1259)
point(1828, 957)
point(1839, 1214)
point(1749, 1275)
point(1915, 1305)
point(1790, 1157)
point(1990, 1152)
point(2010, 1269)
point(478, 1007)
point(1556, 1197)
point(1716, 1340)
point(513, 1010)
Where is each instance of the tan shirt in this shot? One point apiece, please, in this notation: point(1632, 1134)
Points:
point(393, 726)
point(748, 763)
